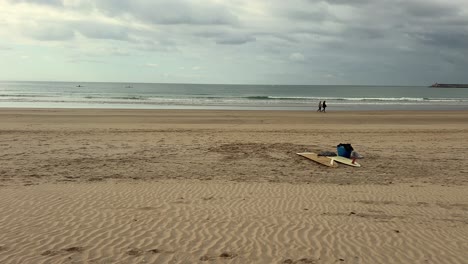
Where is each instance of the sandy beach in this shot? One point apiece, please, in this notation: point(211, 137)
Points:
point(183, 186)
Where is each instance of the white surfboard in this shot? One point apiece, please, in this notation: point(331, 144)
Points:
point(346, 161)
point(319, 159)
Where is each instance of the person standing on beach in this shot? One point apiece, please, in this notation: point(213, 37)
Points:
point(324, 105)
point(320, 107)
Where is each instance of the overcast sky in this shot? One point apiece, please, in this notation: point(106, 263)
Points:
point(399, 42)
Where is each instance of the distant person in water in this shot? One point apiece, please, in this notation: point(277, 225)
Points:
point(324, 105)
point(320, 107)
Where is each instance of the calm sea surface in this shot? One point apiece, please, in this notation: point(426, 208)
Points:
point(219, 96)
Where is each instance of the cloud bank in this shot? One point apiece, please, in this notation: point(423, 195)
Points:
point(241, 41)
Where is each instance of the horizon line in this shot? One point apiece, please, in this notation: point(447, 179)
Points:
point(233, 84)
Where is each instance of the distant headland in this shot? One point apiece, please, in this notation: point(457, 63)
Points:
point(449, 85)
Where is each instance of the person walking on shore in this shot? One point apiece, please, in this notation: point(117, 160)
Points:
point(324, 105)
point(320, 107)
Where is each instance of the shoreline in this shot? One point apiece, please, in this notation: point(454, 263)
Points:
point(146, 111)
point(219, 97)
point(230, 120)
point(287, 107)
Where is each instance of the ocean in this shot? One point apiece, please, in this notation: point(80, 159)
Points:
point(229, 97)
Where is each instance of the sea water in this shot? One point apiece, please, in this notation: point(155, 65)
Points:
point(235, 97)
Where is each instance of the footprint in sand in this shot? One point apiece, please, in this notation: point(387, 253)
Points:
point(74, 249)
point(138, 252)
point(300, 261)
point(134, 252)
point(224, 255)
point(228, 255)
point(63, 251)
point(207, 258)
point(50, 253)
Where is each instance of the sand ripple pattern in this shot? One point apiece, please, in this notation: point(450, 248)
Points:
point(231, 222)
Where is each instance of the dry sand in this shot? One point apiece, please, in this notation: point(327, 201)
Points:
point(128, 186)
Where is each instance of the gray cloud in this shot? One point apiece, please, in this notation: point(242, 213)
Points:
point(310, 12)
point(431, 9)
point(381, 37)
point(97, 30)
point(66, 31)
point(307, 15)
point(81, 60)
point(235, 40)
point(444, 39)
point(40, 2)
point(170, 12)
point(49, 32)
point(344, 2)
point(226, 38)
